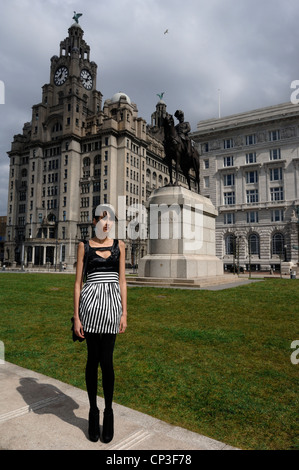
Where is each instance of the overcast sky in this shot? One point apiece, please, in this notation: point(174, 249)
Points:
point(246, 48)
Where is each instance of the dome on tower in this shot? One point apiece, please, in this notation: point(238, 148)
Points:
point(115, 98)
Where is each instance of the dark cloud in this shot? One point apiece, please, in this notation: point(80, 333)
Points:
point(245, 48)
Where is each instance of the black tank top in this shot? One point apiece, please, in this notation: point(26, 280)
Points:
point(96, 263)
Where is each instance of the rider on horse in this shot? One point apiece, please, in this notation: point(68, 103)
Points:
point(183, 129)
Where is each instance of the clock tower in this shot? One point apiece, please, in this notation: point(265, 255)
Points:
point(72, 87)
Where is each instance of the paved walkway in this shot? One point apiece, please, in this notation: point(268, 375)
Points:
point(40, 413)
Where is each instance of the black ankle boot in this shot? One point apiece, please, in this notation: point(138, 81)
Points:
point(108, 426)
point(94, 425)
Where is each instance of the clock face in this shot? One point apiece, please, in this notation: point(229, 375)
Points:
point(61, 75)
point(86, 79)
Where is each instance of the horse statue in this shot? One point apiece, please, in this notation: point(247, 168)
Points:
point(181, 151)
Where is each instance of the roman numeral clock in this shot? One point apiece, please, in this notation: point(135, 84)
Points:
point(61, 75)
point(86, 79)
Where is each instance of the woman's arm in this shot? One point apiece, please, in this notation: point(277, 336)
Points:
point(78, 329)
point(123, 287)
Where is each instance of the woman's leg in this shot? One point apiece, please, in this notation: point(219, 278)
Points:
point(91, 377)
point(91, 371)
point(106, 361)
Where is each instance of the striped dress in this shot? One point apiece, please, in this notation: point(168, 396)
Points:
point(100, 307)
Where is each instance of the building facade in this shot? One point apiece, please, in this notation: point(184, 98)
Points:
point(75, 154)
point(250, 170)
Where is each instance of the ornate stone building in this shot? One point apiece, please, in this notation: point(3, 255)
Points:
point(75, 154)
point(250, 170)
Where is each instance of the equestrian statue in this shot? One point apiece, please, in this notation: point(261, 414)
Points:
point(179, 147)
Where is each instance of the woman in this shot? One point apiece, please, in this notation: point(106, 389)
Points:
point(100, 312)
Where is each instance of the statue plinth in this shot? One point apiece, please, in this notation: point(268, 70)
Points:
point(181, 242)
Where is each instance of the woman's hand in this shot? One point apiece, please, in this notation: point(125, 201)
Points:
point(123, 324)
point(78, 328)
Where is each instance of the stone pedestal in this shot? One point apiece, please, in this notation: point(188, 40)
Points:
point(181, 243)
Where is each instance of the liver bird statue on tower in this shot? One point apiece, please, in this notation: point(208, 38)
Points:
point(77, 16)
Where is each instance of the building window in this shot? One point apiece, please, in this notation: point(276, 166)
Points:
point(228, 143)
point(277, 244)
point(86, 162)
point(206, 182)
point(229, 180)
point(228, 161)
point(252, 196)
point(96, 200)
point(97, 160)
point(230, 244)
point(63, 253)
point(276, 194)
point(96, 187)
point(275, 174)
point(251, 177)
point(274, 135)
point(84, 216)
point(206, 164)
point(22, 195)
point(229, 219)
point(251, 157)
point(275, 154)
point(229, 198)
point(254, 244)
point(84, 201)
point(85, 188)
point(251, 139)
point(84, 232)
point(277, 216)
point(252, 217)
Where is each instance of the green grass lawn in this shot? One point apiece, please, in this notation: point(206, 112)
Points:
point(215, 362)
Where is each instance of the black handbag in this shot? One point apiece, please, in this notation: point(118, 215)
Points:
point(84, 273)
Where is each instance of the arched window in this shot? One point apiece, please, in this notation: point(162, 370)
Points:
point(277, 244)
point(229, 244)
point(254, 244)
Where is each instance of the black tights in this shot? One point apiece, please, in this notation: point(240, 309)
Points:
point(100, 351)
